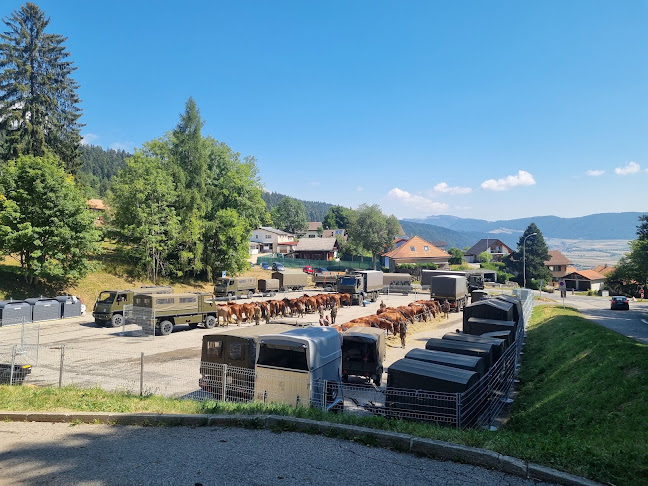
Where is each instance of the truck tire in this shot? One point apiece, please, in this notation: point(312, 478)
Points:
point(166, 328)
point(230, 295)
point(250, 294)
point(378, 378)
point(210, 322)
point(117, 320)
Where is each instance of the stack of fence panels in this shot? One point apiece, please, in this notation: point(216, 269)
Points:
point(45, 309)
point(422, 390)
point(70, 306)
point(454, 360)
point(470, 349)
point(14, 312)
point(499, 345)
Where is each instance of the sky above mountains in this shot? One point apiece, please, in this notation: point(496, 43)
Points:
point(491, 110)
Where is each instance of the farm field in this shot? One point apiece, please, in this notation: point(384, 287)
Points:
point(590, 253)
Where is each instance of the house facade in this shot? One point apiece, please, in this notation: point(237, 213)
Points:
point(415, 250)
point(497, 248)
point(311, 232)
point(317, 249)
point(583, 280)
point(558, 265)
point(271, 240)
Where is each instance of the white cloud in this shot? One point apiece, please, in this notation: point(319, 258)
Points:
point(595, 172)
point(127, 146)
point(445, 188)
point(89, 138)
point(630, 168)
point(523, 178)
point(419, 202)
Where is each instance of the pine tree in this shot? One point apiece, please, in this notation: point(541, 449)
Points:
point(531, 254)
point(38, 99)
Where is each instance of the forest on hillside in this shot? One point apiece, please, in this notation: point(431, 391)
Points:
point(315, 210)
point(98, 167)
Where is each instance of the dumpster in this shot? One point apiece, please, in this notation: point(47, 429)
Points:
point(454, 360)
point(19, 373)
point(15, 312)
point(479, 326)
point(421, 390)
point(471, 349)
point(499, 345)
point(363, 353)
point(70, 306)
point(44, 309)
point(236, 349)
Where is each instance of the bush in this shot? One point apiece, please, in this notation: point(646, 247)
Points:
point(503, 277)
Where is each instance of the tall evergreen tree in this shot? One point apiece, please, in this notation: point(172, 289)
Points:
point(38, 98)
point(531, 255)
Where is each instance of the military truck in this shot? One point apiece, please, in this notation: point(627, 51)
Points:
point(109, 307)
point(235, 286)
point(475, 278)
point(328, 280)
point(397, 283)
point(453, 288)
point(268, 287)
point(159, 314)
point(291, 280)
point(361, 285)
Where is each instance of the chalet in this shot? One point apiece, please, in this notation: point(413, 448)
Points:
point(317, 248)
point(583, 280)
point(497, 248)
point(266, 239)
point(415, 250)
point(99, 208)
point(557, 265)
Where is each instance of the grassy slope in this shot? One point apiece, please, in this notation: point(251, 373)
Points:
point(582, 406)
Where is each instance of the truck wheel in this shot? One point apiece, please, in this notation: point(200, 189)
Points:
point(378, 379)
point(230, 295)
point(250, 294)
point(166, 328)
point(117, 320)
point(210, 322)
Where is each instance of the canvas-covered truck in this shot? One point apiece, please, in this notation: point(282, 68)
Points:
point(453, 288)
point(159, 314)
point(474, 278)
point(397, 283)
point(235, 286)
point(328, 280)
point(109, 307)
point(291, 280)
point(361, 285)
point(268, 287)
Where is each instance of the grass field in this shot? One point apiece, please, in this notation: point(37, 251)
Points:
point(582, 406)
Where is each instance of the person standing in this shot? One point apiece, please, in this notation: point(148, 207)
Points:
point(403, 332)
point(446, 308)
point(334, 310)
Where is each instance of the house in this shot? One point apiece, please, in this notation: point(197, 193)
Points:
point(317, 248)
point(99, 208)
point(415, 250)
point(605, 269)
point(271, 240)
point(497, 248)
point(333, 233)
point(557, 265)
point(583, 280)
point(311, 232)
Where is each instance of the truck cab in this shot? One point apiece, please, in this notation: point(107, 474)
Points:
point(109, 307)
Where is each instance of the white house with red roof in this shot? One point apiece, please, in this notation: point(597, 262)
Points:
point(415, 250)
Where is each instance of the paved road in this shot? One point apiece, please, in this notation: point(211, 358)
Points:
point(632, 323)
point(84, 454)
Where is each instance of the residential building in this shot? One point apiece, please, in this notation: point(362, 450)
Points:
point(583, 280)
point(557, 265)
point(311, 232)
point(415, 250)
point(605, 269)
point(99, 208)
point(317, 248)
point(497, 248)
point(271, 240)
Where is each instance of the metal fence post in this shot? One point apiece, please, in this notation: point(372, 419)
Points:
point(61, 365)
point(141, 374)
point(458, 401)
point(224, 384)
point(37, 344)
point(13, 364)
point(324, 395)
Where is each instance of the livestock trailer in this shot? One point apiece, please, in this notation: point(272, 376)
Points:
point(15, 312)
point(301, 367)
point(363, 353)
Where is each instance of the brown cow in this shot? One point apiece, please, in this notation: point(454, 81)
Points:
point(225, 312)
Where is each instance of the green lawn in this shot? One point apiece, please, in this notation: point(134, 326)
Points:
point(582, 406)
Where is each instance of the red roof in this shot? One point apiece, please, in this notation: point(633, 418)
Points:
point(588, 274)
point(416, 247)
point(557, 258)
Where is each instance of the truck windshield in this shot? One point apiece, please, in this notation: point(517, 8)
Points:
point(347, 280)
point(283, 357)
point(222, 282)
point(106, 297)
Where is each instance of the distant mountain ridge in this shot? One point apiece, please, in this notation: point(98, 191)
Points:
point(602, 226)
point(452, 238)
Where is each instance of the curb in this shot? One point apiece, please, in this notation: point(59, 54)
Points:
point(434, 449)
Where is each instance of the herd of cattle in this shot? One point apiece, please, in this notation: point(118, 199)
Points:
point(387, 318)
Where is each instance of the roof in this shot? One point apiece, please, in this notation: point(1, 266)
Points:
point(485, 243)
point(557, 258)
point(270, 229)
point(97, 204)
point(419, 246)
point(287, 243)
point(313, 225)
point(604, 270)
point(317, 244)
point(587, 274)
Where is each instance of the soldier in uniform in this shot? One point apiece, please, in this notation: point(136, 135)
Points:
point(334, 310)
point(403, 332)
point(446, 308)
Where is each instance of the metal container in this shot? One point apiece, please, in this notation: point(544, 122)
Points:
point(70, 306)
point(45, 309)
point(15, 312)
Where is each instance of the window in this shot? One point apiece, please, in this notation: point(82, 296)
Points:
point(164, 301)
point(187, 300)
point(268, 237)
point(236, 351)
point(426, 248)
point(412, 248)
point(214, 349)
point(256, 237)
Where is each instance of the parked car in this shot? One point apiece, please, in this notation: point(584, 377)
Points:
point(265, 266)
point(278, 267)
point(619, 302)
point(320, 270)
point(308, 269)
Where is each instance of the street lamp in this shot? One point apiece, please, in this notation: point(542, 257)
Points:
point(524, 258)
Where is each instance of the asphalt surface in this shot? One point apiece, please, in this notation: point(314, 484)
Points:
point(88, 454)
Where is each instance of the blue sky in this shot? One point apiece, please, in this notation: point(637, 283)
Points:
point(487, 109)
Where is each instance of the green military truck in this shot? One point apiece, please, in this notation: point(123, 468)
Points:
point(235, 286)
point(109, 307)
point(159, 314)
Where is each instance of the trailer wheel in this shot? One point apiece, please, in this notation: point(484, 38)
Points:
point(230, 295)
point(250, 294)
point(117, 320)
point(210, 322)
point(166, 328)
